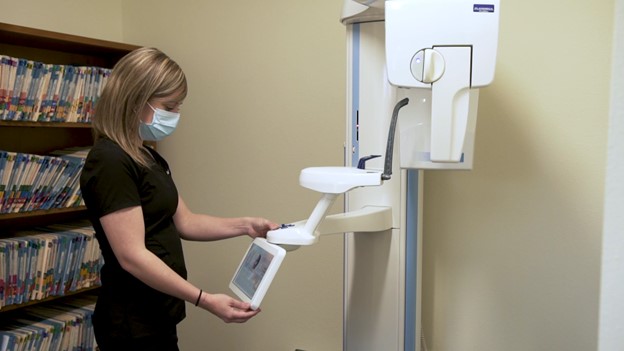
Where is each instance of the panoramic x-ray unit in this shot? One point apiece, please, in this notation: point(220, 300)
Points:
point(414, 70)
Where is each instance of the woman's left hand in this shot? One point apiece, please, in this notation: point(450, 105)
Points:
point(258, 227)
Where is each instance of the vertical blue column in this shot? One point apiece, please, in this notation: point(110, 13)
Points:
point(354, 147)
point(355, 95)
point(411, 260)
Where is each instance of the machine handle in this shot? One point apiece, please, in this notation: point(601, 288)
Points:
point(387, 174)
point(362, 161)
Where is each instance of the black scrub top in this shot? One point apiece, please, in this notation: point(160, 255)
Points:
point(112, 181)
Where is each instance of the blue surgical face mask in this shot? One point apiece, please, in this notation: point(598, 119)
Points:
point(163, 124)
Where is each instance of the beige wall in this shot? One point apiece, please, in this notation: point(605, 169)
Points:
point(512, 248)
point(267, 98)
point(94, 19)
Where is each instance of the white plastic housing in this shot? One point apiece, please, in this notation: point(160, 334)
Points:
point(337, 180)
point(414, 131)
point(413, 25)
point(355, 12)
point(448, 46)
point(331, 181)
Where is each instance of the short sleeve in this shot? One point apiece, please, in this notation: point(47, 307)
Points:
point(109, 180)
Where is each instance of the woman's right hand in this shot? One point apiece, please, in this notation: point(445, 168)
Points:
point(227, 308)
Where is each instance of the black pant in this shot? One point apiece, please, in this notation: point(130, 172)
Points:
point(164, 339)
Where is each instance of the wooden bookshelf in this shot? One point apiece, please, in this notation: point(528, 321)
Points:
point(44, 137)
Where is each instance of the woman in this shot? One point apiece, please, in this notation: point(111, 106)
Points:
point(138, 216)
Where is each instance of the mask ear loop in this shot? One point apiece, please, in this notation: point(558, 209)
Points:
point(153, 116)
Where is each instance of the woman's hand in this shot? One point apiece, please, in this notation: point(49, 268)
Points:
point(227, 308)
point(258, 227)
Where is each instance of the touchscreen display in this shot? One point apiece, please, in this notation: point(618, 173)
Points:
point(252, 270)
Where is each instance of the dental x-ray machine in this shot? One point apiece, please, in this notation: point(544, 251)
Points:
point(413, 65)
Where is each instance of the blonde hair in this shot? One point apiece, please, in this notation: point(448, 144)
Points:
point(139, 76)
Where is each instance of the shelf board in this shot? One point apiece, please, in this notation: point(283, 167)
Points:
point(10, 222)
point(44, 39)
point(49, 298)
point(31, 124)
point(39, 213)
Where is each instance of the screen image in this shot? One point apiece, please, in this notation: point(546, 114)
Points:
point(252, 270)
